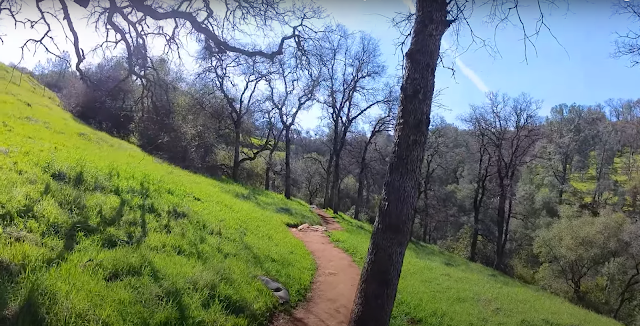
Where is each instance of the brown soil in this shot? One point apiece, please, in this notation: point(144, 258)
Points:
point(335, 283)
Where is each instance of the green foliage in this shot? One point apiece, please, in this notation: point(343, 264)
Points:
point(574, 249)
point(94, 231)
point(437, 288)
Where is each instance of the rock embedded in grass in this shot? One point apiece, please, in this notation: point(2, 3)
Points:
point(307, 227)
point(276, 288)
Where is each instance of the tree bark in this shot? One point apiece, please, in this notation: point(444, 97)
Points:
point(381, 271)
point(267, 175)
point(335, 185)
point(563, 178)
point(500, 220)
point(473, 250)
point(235, 174)
point(360, 199)
point(329, 191)
point(338, 144)
point(623, 298)
point(361, 178)
point(478, 198)
point(425, 215)
point(287, 162)
point(327, 184)
point(599, 172)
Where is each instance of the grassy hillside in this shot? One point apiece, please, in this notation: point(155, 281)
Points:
point(94, 231)
point(437, 288)
point(584, 184)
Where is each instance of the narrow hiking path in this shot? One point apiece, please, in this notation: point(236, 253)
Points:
point(334, 285)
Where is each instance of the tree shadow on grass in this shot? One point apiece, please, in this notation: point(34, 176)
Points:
point(71, 238)
point(28, 313)
point(170, 294)
point(9, 273)
point(259, 198)
point(231, 303)
point(348, 222)
point(106, 221)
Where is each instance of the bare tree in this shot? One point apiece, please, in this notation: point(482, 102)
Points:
point(625, 113)
point(627, 44)
point(381, 124)
point(391, 231)
point(479, 192)
point(310, 168)
point(269, 166)
point(510, 128)
point(606, 148)
point(243, 99)
point(353, 67)
point(292, 89)
point(135, 25)
point(483, 171)
point(425, 28)
point(434, 150)
point(564, 139)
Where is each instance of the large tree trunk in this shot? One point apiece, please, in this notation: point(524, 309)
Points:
point(478, 198)
point(235, 173)
point(415, 214)
point(563, 178)
point(287, 162)
point(500, 221)
point(267, 174)
point(391, 231)
point(599, 173)
point(425, 215)
point(630, 163)
point(361, 179)
point(623, 297)
point(473, 250)
point(327, 184)
point(360, 199)
point(335, 188)
point(476, 225)
point(329, 194)
point(335, 185)
point(505, 234)
point(269, 168)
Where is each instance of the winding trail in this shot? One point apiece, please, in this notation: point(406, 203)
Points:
point(334, 285)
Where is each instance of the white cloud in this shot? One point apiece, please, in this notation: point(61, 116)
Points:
point(468, 72)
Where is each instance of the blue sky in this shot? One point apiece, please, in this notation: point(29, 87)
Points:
point(585, 73)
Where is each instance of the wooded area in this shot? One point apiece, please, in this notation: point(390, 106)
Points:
point(553, 201)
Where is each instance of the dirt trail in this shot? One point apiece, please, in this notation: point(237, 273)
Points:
point(334, 285)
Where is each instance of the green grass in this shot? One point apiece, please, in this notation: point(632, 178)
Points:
point(585, 185)
point(438, 288)
point(94, 231)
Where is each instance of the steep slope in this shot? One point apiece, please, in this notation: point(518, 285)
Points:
point(437, 288)
point(94, 231)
